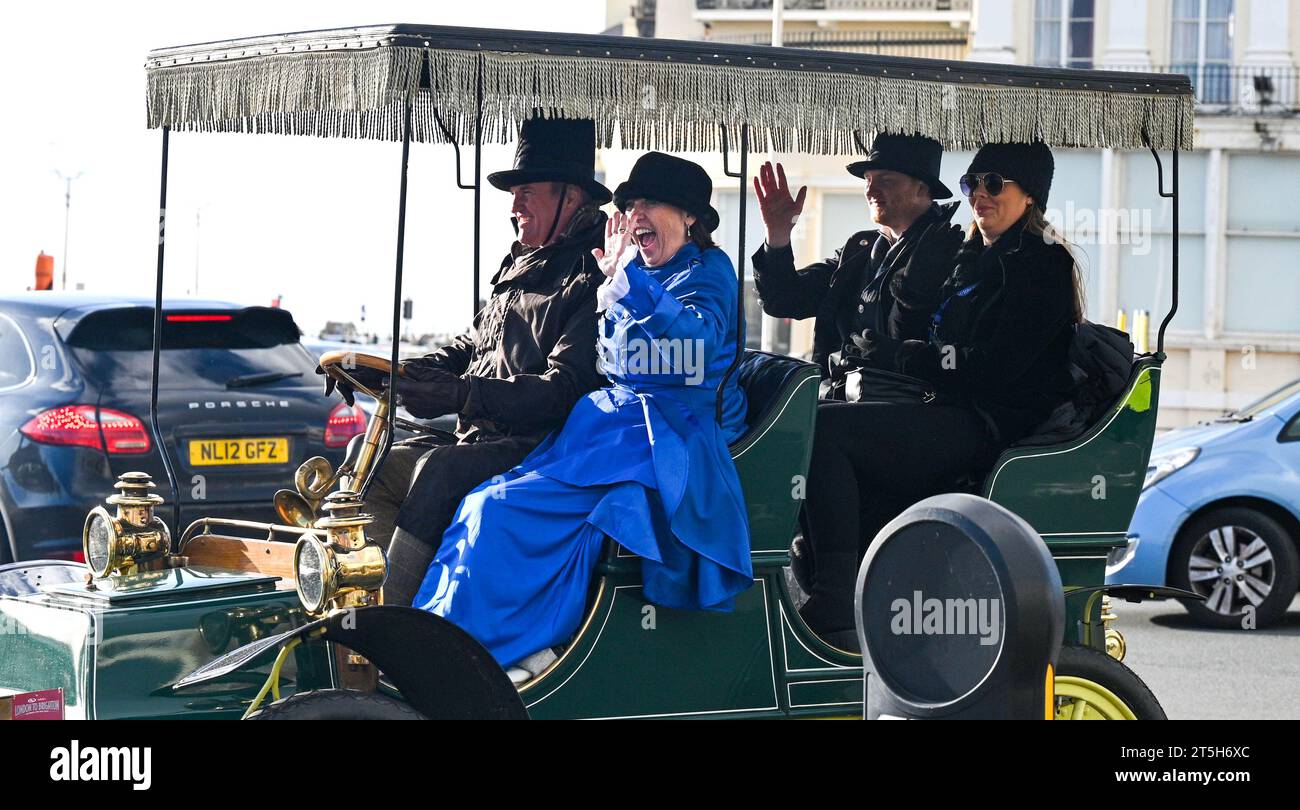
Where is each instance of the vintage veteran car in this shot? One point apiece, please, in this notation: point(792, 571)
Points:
point(211, 619)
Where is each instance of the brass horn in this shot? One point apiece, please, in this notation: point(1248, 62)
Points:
point(313, 480)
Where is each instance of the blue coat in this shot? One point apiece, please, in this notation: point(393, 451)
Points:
point(665, 346)
point(643, 461)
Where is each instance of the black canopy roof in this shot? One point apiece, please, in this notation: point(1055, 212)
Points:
point(645, 93)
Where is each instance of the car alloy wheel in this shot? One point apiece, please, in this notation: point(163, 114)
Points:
point(1242, 561)
point(1232, 567)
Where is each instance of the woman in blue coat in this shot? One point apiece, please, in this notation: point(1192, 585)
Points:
point(644, 461)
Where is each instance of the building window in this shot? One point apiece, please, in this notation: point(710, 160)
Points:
point(1063, 33)
point(1202, 47)
point(1262, 245)
point(1145, 236)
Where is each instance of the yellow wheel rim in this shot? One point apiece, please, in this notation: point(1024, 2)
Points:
point(1082, 699)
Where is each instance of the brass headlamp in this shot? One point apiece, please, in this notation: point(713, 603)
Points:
point(133, 537)
point(343, 570)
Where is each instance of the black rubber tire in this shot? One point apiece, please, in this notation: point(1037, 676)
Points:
point(1286, 562)
point(6, 553)
point(337, 704)
point(1101, 669)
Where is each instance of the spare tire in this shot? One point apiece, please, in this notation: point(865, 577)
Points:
point(337, 704)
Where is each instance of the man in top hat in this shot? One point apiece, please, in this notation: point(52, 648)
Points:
point(878, 289)
point(513, 377)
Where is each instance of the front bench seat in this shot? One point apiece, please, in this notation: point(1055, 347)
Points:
point(772, 456)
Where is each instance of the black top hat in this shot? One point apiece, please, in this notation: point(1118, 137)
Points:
point(561, 150)
point(668, 179)
point(913, 155)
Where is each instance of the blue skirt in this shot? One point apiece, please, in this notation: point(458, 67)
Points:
point(514, 568)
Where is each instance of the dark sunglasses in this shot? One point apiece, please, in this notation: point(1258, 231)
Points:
point(992, 182)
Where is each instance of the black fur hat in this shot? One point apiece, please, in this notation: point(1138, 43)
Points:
point(1029, 164)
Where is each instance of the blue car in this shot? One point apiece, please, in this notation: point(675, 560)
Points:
point(1220, 514)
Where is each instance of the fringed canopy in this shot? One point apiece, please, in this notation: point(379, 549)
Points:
point(645, 93)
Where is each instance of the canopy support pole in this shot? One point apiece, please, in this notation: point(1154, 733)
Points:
point(1172, 194)
point(478, 182)
point(391, 393)
point(157, 343)
point(446, 133)
point(743, 176)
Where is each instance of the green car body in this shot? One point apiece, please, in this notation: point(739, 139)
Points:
point(118, 657)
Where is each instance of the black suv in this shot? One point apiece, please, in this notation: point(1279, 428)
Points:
point(239, 406)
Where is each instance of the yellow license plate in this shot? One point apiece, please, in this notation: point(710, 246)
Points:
point(208, 452)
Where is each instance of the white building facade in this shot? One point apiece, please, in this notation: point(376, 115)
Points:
point(1237, 332)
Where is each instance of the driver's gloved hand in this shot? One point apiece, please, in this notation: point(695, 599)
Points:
point(346, 391)
point(420, 368)
point(435, 393)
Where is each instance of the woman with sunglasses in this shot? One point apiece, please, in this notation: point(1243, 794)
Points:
point(997, 356)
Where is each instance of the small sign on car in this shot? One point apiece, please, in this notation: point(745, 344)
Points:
point(46, 704)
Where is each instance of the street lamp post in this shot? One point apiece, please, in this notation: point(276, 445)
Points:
point(197, 235)
point(768, 324)
point(67, 216)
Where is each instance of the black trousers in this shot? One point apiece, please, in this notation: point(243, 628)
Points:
point(415, 497)
point(870, 461)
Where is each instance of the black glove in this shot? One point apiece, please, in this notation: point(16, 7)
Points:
point(345, 390)
point(877, 350)
point(435, 393)
point(918, 282)
point(419, 368)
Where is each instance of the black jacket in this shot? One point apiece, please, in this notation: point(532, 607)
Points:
point(1003, 344)
point(531, 353)
point(827, 289)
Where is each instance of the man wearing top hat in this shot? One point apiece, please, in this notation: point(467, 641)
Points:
point(513, 377)
point(878, 289)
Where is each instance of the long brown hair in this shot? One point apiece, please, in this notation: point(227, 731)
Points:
point(702, 238)
point(1036, 224)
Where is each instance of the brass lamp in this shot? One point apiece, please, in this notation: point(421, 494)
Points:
point(131, 538)
point(344, 570)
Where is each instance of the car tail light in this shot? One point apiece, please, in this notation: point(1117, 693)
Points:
point(345, 422)
point(86, 426)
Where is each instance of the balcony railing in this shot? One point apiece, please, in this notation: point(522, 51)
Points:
point(1238, 89)
point(913, 6)
point(927, 44)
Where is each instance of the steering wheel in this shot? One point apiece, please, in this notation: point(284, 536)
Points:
point(368, 374)
point(364, 372)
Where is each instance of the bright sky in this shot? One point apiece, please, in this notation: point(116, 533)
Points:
point(313, 220)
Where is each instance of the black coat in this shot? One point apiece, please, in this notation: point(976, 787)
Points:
point(531, 353)
point(529, 357)
point(828, 289)
point(1004, 345)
